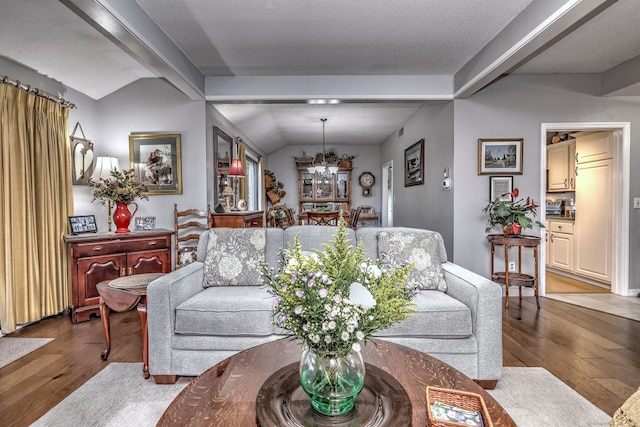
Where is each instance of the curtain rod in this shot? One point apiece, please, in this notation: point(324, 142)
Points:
point(37, 92)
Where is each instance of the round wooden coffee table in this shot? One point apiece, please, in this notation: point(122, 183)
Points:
point(225, 394)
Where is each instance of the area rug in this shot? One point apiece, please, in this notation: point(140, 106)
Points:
point(534, 397)
point(120, 396)
point(12, 349)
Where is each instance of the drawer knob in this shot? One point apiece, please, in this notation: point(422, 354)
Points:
point(97, 248)
point(153, 243)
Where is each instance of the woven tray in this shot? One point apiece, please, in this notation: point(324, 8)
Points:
point(458, 398)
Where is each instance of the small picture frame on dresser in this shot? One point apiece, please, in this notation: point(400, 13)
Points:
point(80, 224)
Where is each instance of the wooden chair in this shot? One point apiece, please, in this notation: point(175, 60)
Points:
point(278, 221)
point(323, 218)
point(354, 216)
point(188, 226)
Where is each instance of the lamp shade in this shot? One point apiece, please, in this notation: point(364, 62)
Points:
point(104, 166)
point(236, 169)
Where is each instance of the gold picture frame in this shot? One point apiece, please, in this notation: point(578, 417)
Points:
point(157, 162)
point(500, 156)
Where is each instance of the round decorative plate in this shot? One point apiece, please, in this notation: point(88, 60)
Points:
point(382, 402)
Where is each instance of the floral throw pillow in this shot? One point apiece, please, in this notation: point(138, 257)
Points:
point(187, 254)
point(420, 248)
point(233, 257)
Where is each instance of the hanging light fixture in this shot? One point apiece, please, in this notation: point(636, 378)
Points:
point(323, 168)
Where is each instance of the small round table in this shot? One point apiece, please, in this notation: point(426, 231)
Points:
point(515, 278)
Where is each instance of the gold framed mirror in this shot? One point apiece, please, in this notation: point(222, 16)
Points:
point(222, 157)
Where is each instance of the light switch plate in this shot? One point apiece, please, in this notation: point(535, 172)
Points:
point(636, 203)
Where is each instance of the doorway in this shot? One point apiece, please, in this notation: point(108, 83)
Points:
point(619, 205)
point(387, 194)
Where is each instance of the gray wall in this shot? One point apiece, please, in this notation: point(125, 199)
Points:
point(425, 206)
point(515, 107)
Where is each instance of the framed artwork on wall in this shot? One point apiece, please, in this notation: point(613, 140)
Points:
point(500, 156)
point(414, 164)
point(81, 157)
point(157, 162)
point(500, 187)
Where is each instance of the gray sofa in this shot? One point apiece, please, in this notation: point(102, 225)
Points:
point(192, 328)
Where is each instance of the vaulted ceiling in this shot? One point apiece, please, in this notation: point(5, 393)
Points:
point(261, 61)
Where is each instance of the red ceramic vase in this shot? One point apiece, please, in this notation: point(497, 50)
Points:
point(122, 216)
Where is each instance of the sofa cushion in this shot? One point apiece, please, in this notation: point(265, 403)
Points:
point(233, 257)
point(422, 249)
point(438, 315)
point(226, 311)
point(314, 236)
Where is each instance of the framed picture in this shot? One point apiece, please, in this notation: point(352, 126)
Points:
point(145, 223)
point(500, 187)
point(157, 163)
point(81, 157)
point(83, 224)
point(500, 156)
point(414, 164)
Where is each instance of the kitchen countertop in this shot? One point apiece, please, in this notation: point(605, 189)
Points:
point(562, 217)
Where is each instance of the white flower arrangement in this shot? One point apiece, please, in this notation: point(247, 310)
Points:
point(334, 300)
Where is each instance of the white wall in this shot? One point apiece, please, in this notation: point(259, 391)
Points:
point(282, 164)
point(425, 206)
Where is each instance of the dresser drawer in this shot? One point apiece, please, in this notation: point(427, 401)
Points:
point(117, 246)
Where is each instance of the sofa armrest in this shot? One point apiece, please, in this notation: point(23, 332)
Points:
point(163, 296)
point(484, 298)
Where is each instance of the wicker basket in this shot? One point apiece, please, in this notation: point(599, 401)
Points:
point(460, 399)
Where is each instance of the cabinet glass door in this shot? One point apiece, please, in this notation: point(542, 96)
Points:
point(307, 186)
point(324, 186)
point(342, 183)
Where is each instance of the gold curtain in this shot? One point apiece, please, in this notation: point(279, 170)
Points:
point(242, 182)
point(36, 196)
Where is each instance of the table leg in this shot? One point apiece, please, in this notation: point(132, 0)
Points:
point(506, 275)
point(535, 277)
point(142, 311)
point(106, 325)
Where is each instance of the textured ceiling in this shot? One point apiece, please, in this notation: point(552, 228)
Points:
point(100, 46)
point(331, 37)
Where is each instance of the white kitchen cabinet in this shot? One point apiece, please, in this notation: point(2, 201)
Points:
point(560, 166)
point(560, 235)
point(593, 146)
point(594, 234)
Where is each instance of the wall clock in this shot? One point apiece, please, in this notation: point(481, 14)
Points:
point(366, 181)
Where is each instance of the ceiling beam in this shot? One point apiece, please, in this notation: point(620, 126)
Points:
point(620, 77)
point(344, 88)
point(128, 26)
point(540, 25)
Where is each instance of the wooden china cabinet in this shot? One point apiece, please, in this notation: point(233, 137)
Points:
point(316, 191)
point(94, 258)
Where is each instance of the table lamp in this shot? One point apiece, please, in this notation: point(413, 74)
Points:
point(235, 172)
point(103, 168)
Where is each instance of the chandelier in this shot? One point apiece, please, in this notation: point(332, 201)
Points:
point(323, 169)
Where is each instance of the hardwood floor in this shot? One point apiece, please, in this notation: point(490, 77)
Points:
point(557, 283)
point(593, 352)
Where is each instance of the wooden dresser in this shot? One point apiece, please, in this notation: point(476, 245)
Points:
point(94, 258)
point(239, 219)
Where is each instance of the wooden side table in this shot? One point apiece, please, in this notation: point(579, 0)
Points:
point(124, 294)
point(515, 278)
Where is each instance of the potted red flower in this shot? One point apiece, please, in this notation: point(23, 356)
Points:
point(514, 215)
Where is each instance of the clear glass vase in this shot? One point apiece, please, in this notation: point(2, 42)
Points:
point(332, 383)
